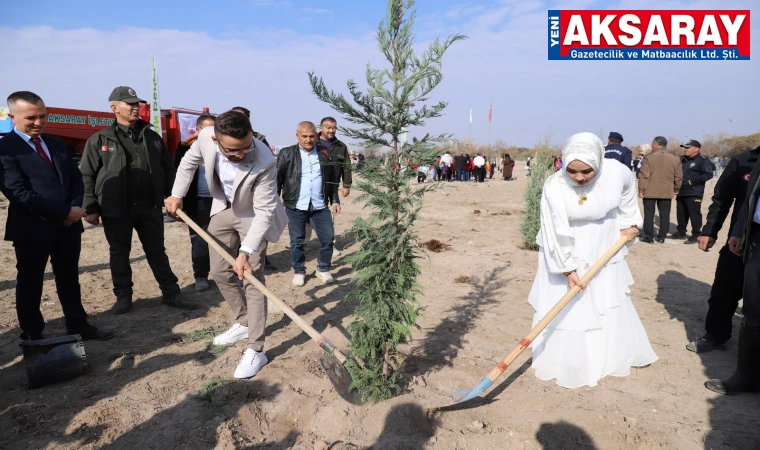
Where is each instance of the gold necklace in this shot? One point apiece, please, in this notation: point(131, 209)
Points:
point(582, 199)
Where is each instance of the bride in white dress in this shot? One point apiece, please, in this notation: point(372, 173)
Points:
point(585, 207)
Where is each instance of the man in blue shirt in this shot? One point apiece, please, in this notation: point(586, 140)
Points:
point(614, 150)
point(308, 180)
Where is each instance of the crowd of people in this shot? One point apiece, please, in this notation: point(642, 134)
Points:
point(463, 167)
point(225, 177)
point(230, 182)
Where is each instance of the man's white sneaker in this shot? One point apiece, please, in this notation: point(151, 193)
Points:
point(299, 279)
point(325, 277)
point(234, 334)
point(250, 364)
point(336, 252)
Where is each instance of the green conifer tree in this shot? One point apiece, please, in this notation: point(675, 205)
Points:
point(385, 267)
point(541, 168)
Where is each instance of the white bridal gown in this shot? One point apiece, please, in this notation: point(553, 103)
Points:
point(599, 332)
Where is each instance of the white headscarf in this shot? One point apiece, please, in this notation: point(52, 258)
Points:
point(586, 148)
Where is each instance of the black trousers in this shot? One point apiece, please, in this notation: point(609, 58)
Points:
point(199, 247)
point(751, 307)
point(480, 174)
point(31, 259)
point(727, 290)
point(689, 208)
point(663, 207)
point(149, 224)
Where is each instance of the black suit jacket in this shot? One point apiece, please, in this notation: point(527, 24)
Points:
point(40, 197)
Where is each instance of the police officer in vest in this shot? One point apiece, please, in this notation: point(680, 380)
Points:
point(127, 173)
point(697, 170)
point(729, 275)
point(745, 242)
point(614, 150)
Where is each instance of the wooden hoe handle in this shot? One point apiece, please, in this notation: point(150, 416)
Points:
point(498, 370)
point(314, 334)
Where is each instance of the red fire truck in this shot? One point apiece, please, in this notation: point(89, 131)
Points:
point(75, 126)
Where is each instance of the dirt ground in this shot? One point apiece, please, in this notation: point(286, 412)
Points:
point(158, 385)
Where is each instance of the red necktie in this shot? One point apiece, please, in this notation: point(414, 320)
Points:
point(41, 151)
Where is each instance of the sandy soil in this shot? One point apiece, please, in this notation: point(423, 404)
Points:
point(150, 386)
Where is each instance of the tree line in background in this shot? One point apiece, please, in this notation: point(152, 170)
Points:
point(721, 144)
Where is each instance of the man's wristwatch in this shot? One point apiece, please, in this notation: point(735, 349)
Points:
point(243, 252)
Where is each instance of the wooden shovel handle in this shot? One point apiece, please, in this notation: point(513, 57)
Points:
point(314, 334)
point(498, 370)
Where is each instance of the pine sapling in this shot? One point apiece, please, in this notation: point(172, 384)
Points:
point(541, 167)
point(386, 272)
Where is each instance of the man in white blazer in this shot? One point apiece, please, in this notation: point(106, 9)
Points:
point(245, 212)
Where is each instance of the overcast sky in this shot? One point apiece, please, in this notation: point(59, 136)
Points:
point(256, 53)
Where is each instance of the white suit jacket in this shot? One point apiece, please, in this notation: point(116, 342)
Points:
point(254, 194)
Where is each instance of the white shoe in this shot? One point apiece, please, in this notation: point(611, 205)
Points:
point(250, 364)
point(234, 334)
point(298, 279)
point(336, 252)
point(325, 277)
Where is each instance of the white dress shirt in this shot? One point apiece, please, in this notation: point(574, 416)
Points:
point(226, 170)
point(28, 140)
point(479, 161)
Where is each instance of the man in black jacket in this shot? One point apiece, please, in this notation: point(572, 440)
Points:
point(127, 172)
point(197, 203)
point(44, 187)
point(308, 183)
point(697, 170)
point(615, 150)
point(338, 151)
point(745, 242)
point(729, 275)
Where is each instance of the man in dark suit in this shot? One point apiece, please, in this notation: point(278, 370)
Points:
point(43, 184)
point(745, 242)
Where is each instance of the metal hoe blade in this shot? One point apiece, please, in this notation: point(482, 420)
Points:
point(462, 395)
point(340, 379)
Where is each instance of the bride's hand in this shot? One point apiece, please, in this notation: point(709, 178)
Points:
point(574, 280)
point(630, 233)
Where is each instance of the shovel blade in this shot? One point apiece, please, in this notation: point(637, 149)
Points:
point(340, 379)
point(458, 395)
point(462, 395)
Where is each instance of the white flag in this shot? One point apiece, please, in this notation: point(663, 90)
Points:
point(470, 114)
point(155, 107)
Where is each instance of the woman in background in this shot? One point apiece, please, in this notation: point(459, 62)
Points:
point(507, 166)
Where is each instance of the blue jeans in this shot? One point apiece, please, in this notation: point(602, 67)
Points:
point(460, 174)
point(321, 222)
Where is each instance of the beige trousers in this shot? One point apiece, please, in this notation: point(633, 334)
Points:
point(248, 306)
